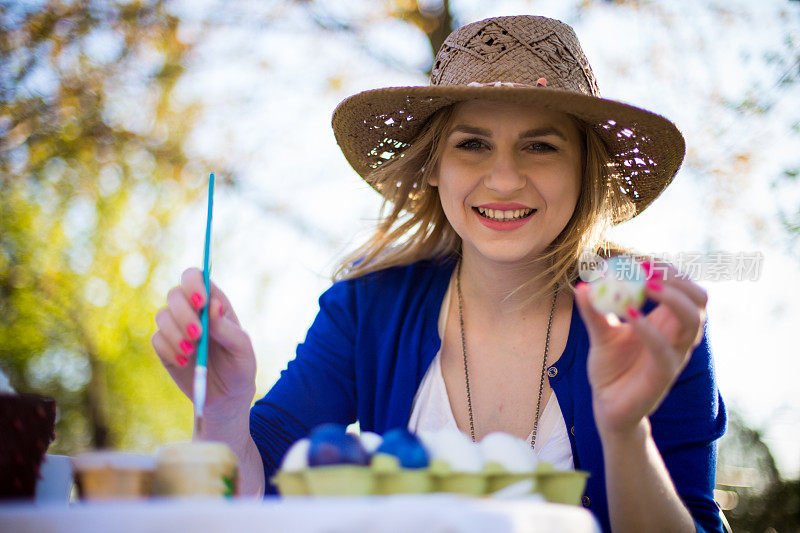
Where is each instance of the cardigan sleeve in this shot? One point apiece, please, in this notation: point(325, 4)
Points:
point(317, 386)
point(685, 428)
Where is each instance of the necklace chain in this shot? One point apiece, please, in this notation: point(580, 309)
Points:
point(466, 370)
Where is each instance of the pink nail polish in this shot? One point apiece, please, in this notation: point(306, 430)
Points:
point(220, 310)
point(647, 266)
point(653, 285)
point(182, 360)
point(197, 300)
point(193, 332)
point(186, 346)
point(632, 312)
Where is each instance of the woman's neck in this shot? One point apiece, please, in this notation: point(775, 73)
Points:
point(487, 285)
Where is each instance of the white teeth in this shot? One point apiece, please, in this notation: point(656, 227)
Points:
point(504, 215)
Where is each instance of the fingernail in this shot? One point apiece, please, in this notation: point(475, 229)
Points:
point(580, 284)
point(632, 312)
point(193, 332)
point(653, 285)
point(182, 360)
point(220, 310)
point(647, 266)
point(197, 300)
point(186, 346)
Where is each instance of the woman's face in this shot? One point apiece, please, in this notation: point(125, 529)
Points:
point(508, 177)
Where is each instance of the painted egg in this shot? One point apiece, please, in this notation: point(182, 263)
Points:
point(621, 286)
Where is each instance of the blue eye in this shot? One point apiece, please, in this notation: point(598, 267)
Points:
point(541, 147)
point(472, 145)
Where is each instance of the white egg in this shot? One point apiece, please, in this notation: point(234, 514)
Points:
point(370, 441)
point(515, 455)
point(620, 287)
point(296, 457)
point(454, 448)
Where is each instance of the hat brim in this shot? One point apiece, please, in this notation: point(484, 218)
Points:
point(375, 126)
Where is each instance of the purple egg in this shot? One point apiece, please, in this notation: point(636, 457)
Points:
point(332, 445)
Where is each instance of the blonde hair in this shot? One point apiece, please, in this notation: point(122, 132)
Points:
point(412, 225)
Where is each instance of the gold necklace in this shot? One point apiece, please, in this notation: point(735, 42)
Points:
point(466, 371)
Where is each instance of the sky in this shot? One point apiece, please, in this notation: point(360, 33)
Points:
point(270, 81)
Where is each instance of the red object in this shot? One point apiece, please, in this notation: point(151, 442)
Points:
point(197, 301)
point(653, 285)
point(193, 332)
point(186, 346)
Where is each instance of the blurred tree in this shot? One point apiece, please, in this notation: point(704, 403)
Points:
point(92, 168)
point(432, 17)
point(750, 489)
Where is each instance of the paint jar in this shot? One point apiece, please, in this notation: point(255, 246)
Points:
point(202, 468)
point(110, 475)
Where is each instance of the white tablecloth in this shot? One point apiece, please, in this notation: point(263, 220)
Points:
point(430, 513)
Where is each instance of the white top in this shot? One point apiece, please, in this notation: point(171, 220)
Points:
point(431, 410)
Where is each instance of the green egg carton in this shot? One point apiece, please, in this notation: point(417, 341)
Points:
point(445, 479)
point(391, 478)
point(291, 483)
point(340, 480)
point(560, 486)
point(385, 476)
point(497, 477)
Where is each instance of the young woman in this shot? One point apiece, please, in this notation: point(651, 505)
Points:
point(460, 311)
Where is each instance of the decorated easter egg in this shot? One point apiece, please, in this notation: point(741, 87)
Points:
point(621, 286)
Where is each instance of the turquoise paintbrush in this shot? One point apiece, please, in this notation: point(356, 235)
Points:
point(201, 369)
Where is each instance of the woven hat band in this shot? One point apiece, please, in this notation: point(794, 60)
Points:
point(514, 50)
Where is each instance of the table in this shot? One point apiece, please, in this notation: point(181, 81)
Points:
point(431, 513)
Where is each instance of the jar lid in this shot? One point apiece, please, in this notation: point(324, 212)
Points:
point(113, 459)
point(196, 452)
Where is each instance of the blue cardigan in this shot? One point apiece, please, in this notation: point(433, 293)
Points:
point(373, 339)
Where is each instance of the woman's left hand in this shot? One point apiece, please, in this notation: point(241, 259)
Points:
point(633, 365)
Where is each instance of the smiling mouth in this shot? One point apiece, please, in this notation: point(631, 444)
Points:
point(504, 216)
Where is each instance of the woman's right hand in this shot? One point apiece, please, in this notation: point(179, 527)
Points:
point(231, 360)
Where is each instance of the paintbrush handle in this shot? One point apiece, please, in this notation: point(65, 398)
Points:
point(201, 371)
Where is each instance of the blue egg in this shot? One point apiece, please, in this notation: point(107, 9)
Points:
point(330, 444)
point(406, 447)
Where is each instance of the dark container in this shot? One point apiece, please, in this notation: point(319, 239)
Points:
point(27, 427)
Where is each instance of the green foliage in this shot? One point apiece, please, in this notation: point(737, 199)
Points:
point(747, 469)
point(92, 170)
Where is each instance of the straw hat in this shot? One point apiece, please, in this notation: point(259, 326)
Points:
point(521, 59)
